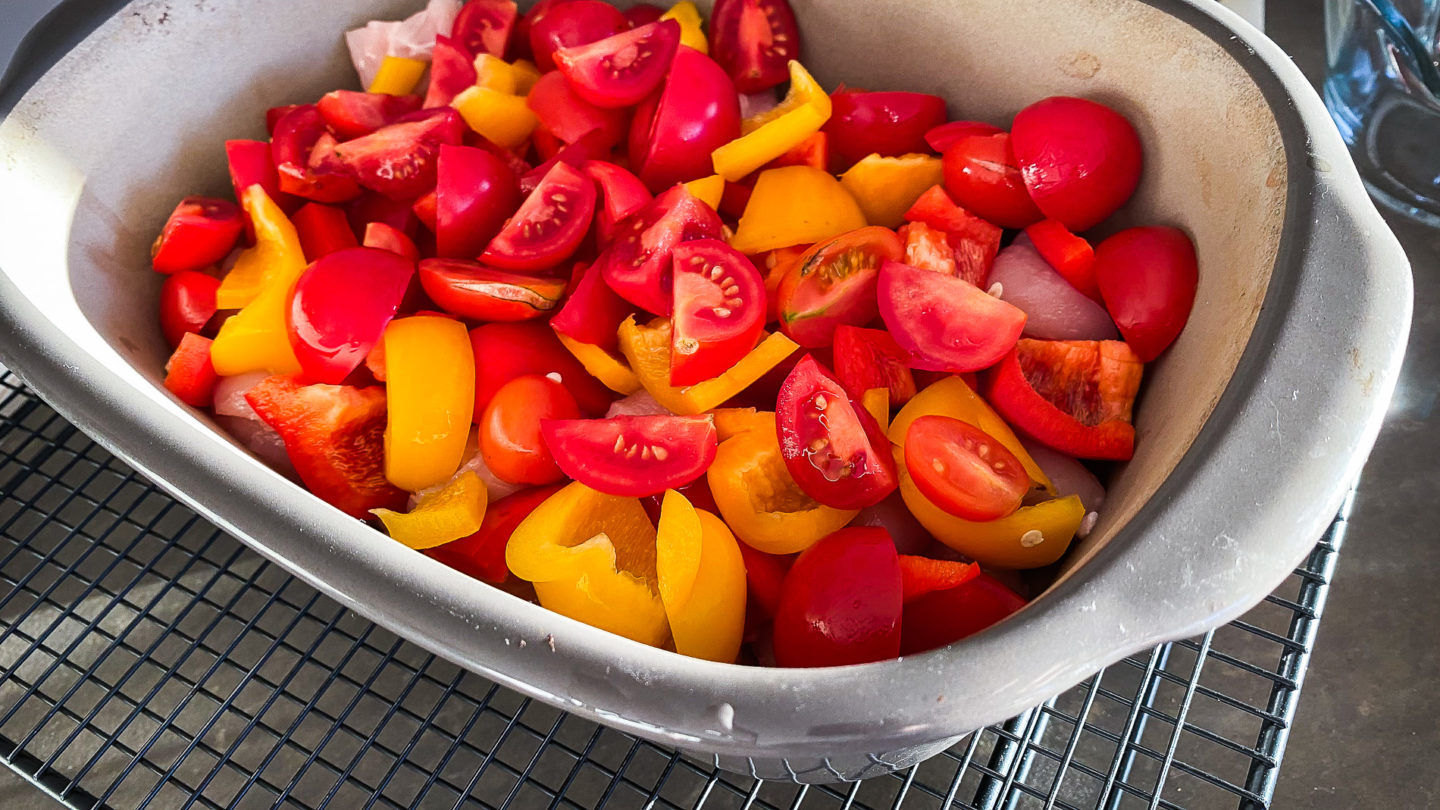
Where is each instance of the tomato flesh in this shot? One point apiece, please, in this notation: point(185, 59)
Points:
point(982, 175)
point(566, 25)
point(1080, 160)
point(251, 163)
point(504, 351)
point(187, 303)
point(340, 307)
point(832, 447)
point(568, 117)
point(293, 146)
point(399, 160)
point(510, 438)
point(352, 114)
point(889, 124)
point(719, 310)
point(834, 284)
point(962, 469)
point(474, 193)
point(621, 70)
point(471, 290)
point(549, 225)
point(621, 195)
point(841, 603)
point(754, 40)
point(638, 262)
point(633, 456)
point(870, 358)
point(484, 26)
point(676, 129)
point(946, 324)
point(200, 232)
point(946, 616)
point(973, 242)
point(593, 312)
point(1148, 277)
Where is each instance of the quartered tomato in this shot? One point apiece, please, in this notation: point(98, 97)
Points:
point(482, 554)
point(294, 148)
point(484, 26)
point(591, 147)
point(719, 310)
point(637, 263)
point(399, 160)
point(889, 124)
point(676, 129)
point(632, 456)
point(754, 40)
point(567, 116)
point(200, 232)
point(593, 312)
point(621, 195)
point(385, 237)
point(963, 470)
point(504, 351)
point(946, 616)
point(834, 284)
point(322, 229)
point(946, 324)
point(340, 307)
point(944, 136)
point(187, 303)
point(982, 175)
point(643, 14)
point(510, 438)
point(474, 193)
point(569, 24)
point(1080, 159)
point(351, 114)
point(833, 447)
point(550, 224)
point(1148, 277)
point(621, 70)
point(869, 358)
point(473, 291)
point(841, 602)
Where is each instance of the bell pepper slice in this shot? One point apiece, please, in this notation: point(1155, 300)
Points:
point(769, 135)
point(702, 580)
point(1081, 397)
point(502, 118)
point(876, 402)
point(708, 190)
point(441, 516)
point(648, 350)
point(603, 366)
point(277, 252)
point(886, 187)
point(921, 575)
point(496, 74)
point(610, 600)
point(731, 422)
point(397, 76)
point(692, 31)
point(772, 219)
point(1030, 537)
point(256, 338)
point(526, 75)
point(430, 385)
point(482, 553)
point(761, 501)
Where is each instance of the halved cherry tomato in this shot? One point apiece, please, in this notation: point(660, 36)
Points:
point(520, 41)
point(189, 374)
point(632, 456)
point(1079, 159)
point(549, 225)
point(569, 117)
point(675, 130)
point(383, 236)
point(1072, 395)
point(643, 14)
point(921, 575)
point(973, 241)
point(484, 26)
point(870, 358)
point(200, 232)
point(351, 114)
point(962, 470)
point(982, 175)
point(593, 312)
point(754, 40)
point(1148, 278)
point(340, 307)
point(335, 437)
point(621, 194)
point(637, 264)
point(946, 324)
point(482, 554)
point(251, 164)
point(621, 70)
point(719, 310)
point(833, 447)
point(474, 193)
point(944, 617)
point(834, 284)
point(399, 160)
point(579, 22)
point(841, 603)
point(322, 229)
point(504, 351)
point(187, 303)
point(1070, 255)
point(944, 136)
point(510, 438)
point(889, 124)
point(473, 291)
point(292, 147)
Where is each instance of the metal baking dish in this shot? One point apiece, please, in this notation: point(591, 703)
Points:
point(1250, 429)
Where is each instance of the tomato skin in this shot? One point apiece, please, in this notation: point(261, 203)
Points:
point(293, 148)
point(452, 70)
point(643, 14)
point(200, 232)
point(569, 117)
point(322, 229)
point(719, 310)
point(944, 136)
point(832, 447)
point(189, 374)
point(890, 123)
point(474, 193)
point(946, 324)
point(870, 358)
point(383, 236)
point(841, 603)
point(399, 160)
point(1148, 277)
point(593, 312)
point(250, 164)
point(504, 351)
point(754, 41)
point(591, 146)
point(549, 225)
point(962, 469)
point(944, 617)
point(676, 129)
point(187, 303)
point(981, 174)
point(632, 456)
point(351, 114)
point(484, 26)
point(482, 554)
point(578, 22)
point(340, 307)
point(638, 262)
point(765, 574)
point(470, 290)
point(375, 207)
point(621, 194)
point(621, 70)
point(1080, 159)
point(510, 437)
point(834, 284)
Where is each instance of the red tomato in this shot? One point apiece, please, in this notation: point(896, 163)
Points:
point(621, 193)
point(474, 194)
point(944, 136)
point(504, 351)
point(675, 130)
point(1148, 277)
point(643, 14)
point(471, 290)
point(427, 210)
point(187, 303)
point(841, 603)
point(335, 437)
point(484, 26)
point(944, 617)
point(452, 70)
point(593, 312)
point(579, 22)
point(765, 575)
point(549, 225)
point(274, 114)
point(520, 40)
point(719, 310)
point(621, 70)
point(962, 469)
point(1071, 395)
point(189, 374)
point(946, 324)
point(632, 456)
point(1070, 255)
point(382, 236)
point(296, 134)
point(375, 207)
point(973, 241)
point(921, 575)
point(567, 116)
point(200, 232)
point(832, 447)
point(754, 40)
point(590, 147)
point(322, 229)
point(351, 114)
point(398, 160)
point(834, 284)
point(637, 264)
point(981, 174)
point(482, 554)
point(870, 358)
point(250, 164)
point(510, 438)
point(340, 307)
point(1080, 160)
point(890, 124)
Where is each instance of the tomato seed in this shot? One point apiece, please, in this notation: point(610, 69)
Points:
point(821, 403)
point(722, 312)
point(660, 452)
point(619, 444)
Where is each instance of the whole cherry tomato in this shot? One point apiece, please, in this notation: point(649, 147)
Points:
point(841, 602)
point(510, 437)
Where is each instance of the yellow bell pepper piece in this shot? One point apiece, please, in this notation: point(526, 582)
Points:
point(702, 580)
point(276, 253)
point(795, 205)
point(603, 366)
point(449, 513)
point(648, 350)
point(708, 190)
point(501, 118)
point(495, 73)
point(430, 388)
point(526, 75)
point(771, 134)
point(731, 422)
point(1029, 537)
point(397, 76)
point(761, 501)
point(692, 31)
point(877, 402)
point(886, 187)
point(616, 602)
point(255, 338)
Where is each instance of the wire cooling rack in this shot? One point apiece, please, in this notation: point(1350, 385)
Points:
point(147, 659)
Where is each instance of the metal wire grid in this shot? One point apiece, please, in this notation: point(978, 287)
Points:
point(148, 659)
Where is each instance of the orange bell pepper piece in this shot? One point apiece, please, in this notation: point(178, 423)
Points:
point(430, 386)
point(648, 350)
point(708, 190)
point(692, 31)
point(774, 132)
point(276, 254)
point(502, 118)
point(886, 187)
point(702, 580)
point(255, 338)
point(443, 515)
point(602, 365)
point(774, 219)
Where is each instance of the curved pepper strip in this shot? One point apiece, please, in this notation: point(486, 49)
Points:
point(277, 252)
point(454, 511)
point(256, 338)
point(430, 385)
point(771, 134)
point(602, 365)
point(702, 581)
point(494, 73)
point(692, 32)
point(804, 92)
point(1030, 537)
point(773, 219)
point(397, 76)
point(886, 187)
point(648, 350)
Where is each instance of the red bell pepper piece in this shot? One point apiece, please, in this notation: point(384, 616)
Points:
point(322, 229)
point(943, 617)
point(974, 240)
point(482, 554)
point(922, 575)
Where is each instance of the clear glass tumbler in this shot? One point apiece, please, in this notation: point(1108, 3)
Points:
point(1383, 90)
